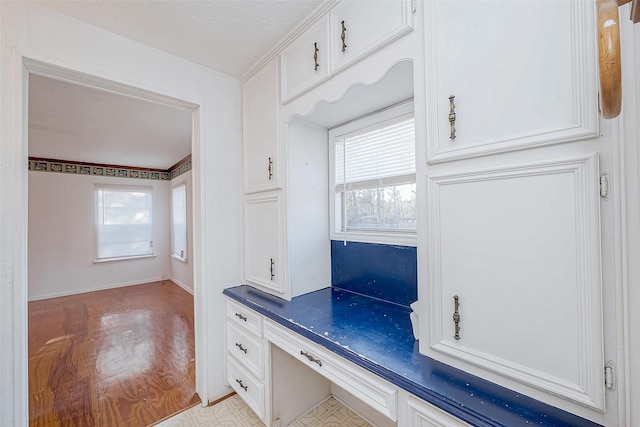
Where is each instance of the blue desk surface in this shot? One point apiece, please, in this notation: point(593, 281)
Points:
point(377, 336)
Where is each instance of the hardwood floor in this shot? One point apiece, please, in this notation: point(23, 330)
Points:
point(120, 357)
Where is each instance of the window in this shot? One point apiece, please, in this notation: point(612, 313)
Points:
point(124, 222)
point(179, 222)
point(373, 177)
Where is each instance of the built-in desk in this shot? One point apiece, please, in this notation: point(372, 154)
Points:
point(377, 336)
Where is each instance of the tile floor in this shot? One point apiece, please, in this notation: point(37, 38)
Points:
point(233, 412)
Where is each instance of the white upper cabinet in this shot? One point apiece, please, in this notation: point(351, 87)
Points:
point(359, 28)
point(523, 75)
point(261, 137)
point(305, 63)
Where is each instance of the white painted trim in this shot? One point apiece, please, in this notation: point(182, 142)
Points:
point(122, 258)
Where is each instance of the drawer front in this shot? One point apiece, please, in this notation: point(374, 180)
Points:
point(247, 350)
point(246, 385)
point(244, 317)
point(368, 387)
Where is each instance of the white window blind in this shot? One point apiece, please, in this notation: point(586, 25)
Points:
point(124, 221)
point(179, 221)
point(375, 155)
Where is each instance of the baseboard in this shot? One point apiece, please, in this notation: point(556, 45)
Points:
point(182, 285)
point(99, 288)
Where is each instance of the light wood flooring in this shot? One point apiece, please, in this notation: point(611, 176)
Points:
point(120, 357)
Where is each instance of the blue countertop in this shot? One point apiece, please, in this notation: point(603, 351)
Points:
point(377, 336)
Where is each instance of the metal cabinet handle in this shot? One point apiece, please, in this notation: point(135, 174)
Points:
point(241, 317)
point(456, 316)
point(343, 36)
point(452, 117)
point(271, 269)
point(244, 387)
point(315, 56)
point(270, 169)
point(311, 358)
point(241, 348)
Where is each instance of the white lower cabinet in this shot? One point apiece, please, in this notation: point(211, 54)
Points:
point(247, 386)
point(423, 414)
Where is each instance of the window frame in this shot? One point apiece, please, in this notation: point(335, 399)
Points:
point(174, 254)
point(360, 125)
point(100, 213)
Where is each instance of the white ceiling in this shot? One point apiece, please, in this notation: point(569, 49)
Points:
point(73, 122)
point(224, 35)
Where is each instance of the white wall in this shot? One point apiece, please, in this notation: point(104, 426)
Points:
point(32, 34)
point(62, 237)
point(182, 272)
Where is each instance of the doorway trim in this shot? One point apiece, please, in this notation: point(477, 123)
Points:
point(22, 67)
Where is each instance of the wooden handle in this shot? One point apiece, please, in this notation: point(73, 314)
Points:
point(609, 58)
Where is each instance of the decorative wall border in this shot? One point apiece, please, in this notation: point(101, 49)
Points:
point(65, 166)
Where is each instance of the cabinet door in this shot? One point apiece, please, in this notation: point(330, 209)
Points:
point(518, 247)
point(261, 137)
point(305, 63)
point(523, 75)
point(360, 27)
point(263, 248)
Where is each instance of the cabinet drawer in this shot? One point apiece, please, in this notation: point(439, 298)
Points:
point(248, 350)
point(246, 385)
point(423, 414)
point(368, 387)
point(244, 317)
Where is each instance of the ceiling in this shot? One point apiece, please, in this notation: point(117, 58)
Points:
point(96, 126)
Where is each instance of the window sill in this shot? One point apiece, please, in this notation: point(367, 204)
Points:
point(400, 239)
point(124, 258)
point(177, 257)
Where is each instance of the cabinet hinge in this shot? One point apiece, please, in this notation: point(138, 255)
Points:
point(604, 186)
point(608, 375)
point(414, 6)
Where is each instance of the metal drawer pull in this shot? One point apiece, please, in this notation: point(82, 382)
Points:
point(241, 348)
point(452, 117)
point(315, 56)
point(241, 317)
point(273, 275)
point(343, 36)
point(456, 316)
point(244, 387)
point(311, 358)
point(270, 169)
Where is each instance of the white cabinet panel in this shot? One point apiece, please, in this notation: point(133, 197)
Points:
point(305, 63)
point(244, 318)
point(368, 26)
point(248, 350)
point(522, 75)
point(261, 137)
point(422, 414)
point(263, 246)
point(248, 388)
point(520, 246)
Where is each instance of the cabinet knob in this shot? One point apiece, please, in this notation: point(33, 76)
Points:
point(343, 36)
point(315, 56)
point(241, 348)
point(270, 168)
point(311, 358)
point(241, 317)
point(452, 117)
point(271, 269)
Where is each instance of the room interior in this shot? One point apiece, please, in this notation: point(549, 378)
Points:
point(526, 186)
